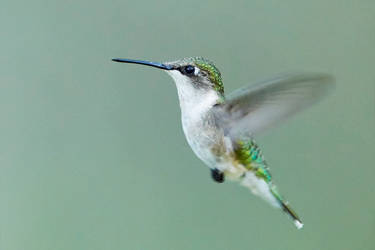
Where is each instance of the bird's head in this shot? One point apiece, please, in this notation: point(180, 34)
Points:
point(196, 78)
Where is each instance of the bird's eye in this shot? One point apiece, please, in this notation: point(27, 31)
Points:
point(188, 70)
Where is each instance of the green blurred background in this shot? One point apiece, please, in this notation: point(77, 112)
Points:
point(92, 154)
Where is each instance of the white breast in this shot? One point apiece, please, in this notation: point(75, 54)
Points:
point(201, 132)
point(197, 123)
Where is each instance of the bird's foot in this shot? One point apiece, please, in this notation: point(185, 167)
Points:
point(217, 175)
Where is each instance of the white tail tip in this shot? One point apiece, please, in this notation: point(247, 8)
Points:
point(298, 224)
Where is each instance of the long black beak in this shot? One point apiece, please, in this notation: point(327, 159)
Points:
point(152, 64)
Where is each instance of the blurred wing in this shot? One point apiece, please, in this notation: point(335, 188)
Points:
point(256, 108)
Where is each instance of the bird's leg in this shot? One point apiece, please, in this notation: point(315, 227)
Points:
point(217, 175)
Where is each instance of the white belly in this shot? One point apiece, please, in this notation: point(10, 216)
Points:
point(202, 142)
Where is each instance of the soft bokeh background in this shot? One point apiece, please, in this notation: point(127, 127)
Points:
point(92, 154)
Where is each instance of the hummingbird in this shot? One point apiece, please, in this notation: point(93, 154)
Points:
point(220, 128)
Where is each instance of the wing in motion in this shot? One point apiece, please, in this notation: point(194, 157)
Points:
point(256, 108)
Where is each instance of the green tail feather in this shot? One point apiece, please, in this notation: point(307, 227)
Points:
point(287, 209)
point(250, 155)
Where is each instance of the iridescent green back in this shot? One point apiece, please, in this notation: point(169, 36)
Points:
point(249, 154)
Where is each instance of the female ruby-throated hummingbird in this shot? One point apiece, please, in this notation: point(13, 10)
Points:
point(220, 128)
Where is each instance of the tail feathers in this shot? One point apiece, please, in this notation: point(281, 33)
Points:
point(297, 222)
point(269, 192)
point(287, 209)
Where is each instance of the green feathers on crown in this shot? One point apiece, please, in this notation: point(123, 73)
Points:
point(214, 73)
